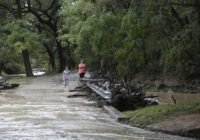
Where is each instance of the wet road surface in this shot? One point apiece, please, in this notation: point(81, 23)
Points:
point(40, 110)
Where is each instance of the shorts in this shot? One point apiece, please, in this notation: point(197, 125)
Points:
point(81, 75)
point(66, 82)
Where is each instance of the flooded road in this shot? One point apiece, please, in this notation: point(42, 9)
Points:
point(40, 110)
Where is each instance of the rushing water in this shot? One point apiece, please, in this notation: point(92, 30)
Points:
point(40, 110)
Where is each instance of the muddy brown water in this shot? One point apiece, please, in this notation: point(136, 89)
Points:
point(40, 110)
point(166, 97)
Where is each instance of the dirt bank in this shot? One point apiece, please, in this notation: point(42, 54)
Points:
point(188, 125)
point(172, 90)
point(166, 83)
point(181, 119)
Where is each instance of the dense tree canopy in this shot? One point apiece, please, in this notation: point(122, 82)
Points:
point(130, 36)
point(123, 37)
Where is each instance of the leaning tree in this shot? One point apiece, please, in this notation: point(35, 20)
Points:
point(46, 19)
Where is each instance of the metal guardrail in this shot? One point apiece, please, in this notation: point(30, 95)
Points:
point(105, 94)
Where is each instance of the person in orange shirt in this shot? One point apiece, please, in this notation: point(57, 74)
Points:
point(81, 69)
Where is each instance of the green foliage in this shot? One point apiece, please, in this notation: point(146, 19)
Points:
point(21, 36)
point(99, 35)
point(17, 35)
point(111, 35)
point(9, 59)
point(13, 67)
point(183, 57)
point(122, 38)
point(186, 46)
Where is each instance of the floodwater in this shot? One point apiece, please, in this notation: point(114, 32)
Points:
point(40, 110)
point(166, 97)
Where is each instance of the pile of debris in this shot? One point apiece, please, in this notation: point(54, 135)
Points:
point(126, 97)
point(5, 85)
point(119, 93)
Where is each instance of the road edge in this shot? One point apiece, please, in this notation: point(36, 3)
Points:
point(114, 113)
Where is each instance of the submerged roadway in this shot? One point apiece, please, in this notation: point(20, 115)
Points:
point(40, 110)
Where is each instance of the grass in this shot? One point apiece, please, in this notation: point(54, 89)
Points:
point(154, 114)
point(17, 79)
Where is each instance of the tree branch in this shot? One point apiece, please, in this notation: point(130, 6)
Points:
point(185, 4)
point(39, 3)
point(176, 15)
point(13, 12)
point(51, 6)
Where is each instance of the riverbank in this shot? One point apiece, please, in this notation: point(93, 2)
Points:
point(180, 119)
point(179, 112)
point(166, 83)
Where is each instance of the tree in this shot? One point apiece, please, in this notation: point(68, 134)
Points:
point(22, 38)
point(114, 36)
point(46, 13)
point(9, 59)
point(128, 37)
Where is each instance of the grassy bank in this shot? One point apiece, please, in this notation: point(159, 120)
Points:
point(17, 79)
point(154, 114)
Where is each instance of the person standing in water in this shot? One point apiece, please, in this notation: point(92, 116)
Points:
point(81, 69)
point(66, 78)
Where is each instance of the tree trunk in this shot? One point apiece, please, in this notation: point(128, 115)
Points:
point(177, 16)
point(51, 57)
point(62, 60)
point(19, 9)
point(1, 66)
point(197, 9)
point(27, 64)
point(52, 62)
point(68, 57)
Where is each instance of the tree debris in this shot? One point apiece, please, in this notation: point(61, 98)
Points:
point(119, 93)
point(6, 85)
